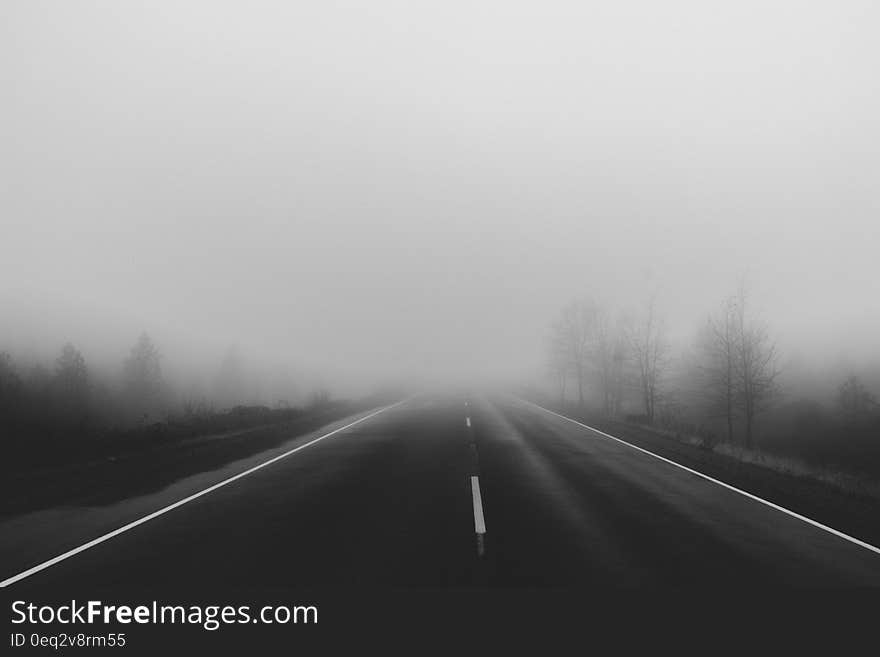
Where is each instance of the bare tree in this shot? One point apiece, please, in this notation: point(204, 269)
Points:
point(573, 334)
point(609, 355)
point(558, 364)
point(719, 365)
point(619, 367)
point(756, 365)
point(647, 340)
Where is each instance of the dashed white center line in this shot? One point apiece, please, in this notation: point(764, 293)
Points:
point(479, 520)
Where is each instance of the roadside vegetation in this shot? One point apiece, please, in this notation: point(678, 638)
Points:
point(726, 390)
point(63, 411)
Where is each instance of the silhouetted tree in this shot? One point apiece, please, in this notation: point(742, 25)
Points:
point(608, 354)
point(647, 341)
point(719, 363)
point(558, 364)
point(585, 341)
point(854, 399)
point(71, 375)
point(756, 365)
point(142, 371)
point(142, 380)
point(573, 334)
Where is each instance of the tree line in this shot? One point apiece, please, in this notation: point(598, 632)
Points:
point(69, 396)
point(627, 356)
point(66, 409)
point(622, 364)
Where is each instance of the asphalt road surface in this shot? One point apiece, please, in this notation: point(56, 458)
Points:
point(400, 499)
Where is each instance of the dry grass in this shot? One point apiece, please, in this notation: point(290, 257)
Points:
point(843, 481)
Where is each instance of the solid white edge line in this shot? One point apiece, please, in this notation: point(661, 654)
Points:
point(793, 514)
point(155, 514)
point(479, 520)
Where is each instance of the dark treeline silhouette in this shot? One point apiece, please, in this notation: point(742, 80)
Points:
point(723, 390)
point(64, 411)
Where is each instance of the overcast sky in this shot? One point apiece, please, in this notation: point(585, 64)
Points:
point(381, 187)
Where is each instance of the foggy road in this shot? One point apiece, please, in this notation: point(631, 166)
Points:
point(455, 491)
